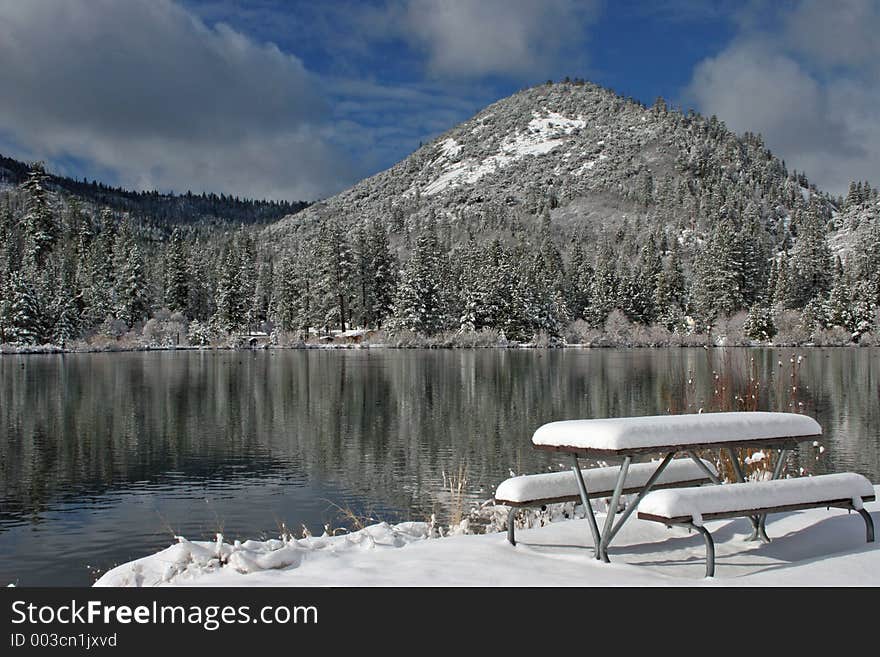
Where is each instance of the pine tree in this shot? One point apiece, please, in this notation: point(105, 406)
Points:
point(866, 260)
point(230, 313)
point(96, 276)
point(335, 273)
point(383, 267)
point(130, 293)
point(543, 288)
point(26, 323)
point(809, 273)
point(176, 274)
point(580, 279)
point(419, 305)
point(40, 222)
point(781, 292)
point(285, 301)
point(715, 289)
point(246, 295)
point(754, 255)
point(639, 285)
point(759, 324)
point(604, 287)
point(669, 296)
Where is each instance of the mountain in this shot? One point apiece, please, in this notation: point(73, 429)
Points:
point(592, 158)
point(165, 209)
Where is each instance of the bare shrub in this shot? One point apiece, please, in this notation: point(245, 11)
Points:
point(790, 329)
point(836, 336)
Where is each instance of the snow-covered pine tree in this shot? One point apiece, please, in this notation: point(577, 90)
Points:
point(419, 304)
point(639, 284)
point(177, 274)
point(759, 324)
point(130, 292)
point(866, 260)
point(40, 223)
point(25, 322)
point(753, 242)
point(335, 271)
point(285, 300)
point(247, 278)
point(715, 289)
point(781, 294)
point(262, 294)
point(669, 296)
point(384, 269)
point(229, 315)
point(604, 287)
point(95, 276)
point(543, 287)
point(810, 273)
point(580, 278)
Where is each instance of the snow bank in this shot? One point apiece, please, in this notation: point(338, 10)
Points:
point(810, 548)
point(190, 559)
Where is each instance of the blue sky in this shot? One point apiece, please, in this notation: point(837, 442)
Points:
point(299, 100)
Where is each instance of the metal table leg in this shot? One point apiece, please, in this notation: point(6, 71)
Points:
point(627, 512)
point(711, 475)
point(740, 477)
point(585, 500)
point(612, 509)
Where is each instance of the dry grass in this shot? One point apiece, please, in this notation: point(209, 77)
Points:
point(738, 384)
point(456, 484)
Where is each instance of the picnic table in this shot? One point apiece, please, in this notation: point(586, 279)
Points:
point(667, 435)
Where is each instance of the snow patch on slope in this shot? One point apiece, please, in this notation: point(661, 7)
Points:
point(541, 135)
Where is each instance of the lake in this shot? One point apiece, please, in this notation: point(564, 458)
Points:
point(106, 457)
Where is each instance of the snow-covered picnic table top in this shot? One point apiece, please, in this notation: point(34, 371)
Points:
point(666, 431)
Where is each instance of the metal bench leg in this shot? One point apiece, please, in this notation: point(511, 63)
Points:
point(511, 516)
point(585, 500)
point(710, 549)
point(869, 524)
point(740, 477)
point(760, 532)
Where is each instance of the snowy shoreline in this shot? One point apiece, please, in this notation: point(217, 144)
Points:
point(37, 350)
point(816, 547)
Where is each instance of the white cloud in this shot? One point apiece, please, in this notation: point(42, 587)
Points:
point(808, 85)
point(494, 37)
point(146, 90)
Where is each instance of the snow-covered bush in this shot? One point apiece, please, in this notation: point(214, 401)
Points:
point(199, 333)
point(618, 329)
point(759, 323)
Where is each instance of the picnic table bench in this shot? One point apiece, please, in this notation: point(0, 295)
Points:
point(691, 506)
point(633, 437)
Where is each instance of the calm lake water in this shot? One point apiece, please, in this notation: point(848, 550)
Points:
point(104, 457)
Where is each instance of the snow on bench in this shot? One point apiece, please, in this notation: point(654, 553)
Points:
point(635, 434)
point(692, 506)
point(552, 487)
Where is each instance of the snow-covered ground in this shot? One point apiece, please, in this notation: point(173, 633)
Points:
point(816, 547)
